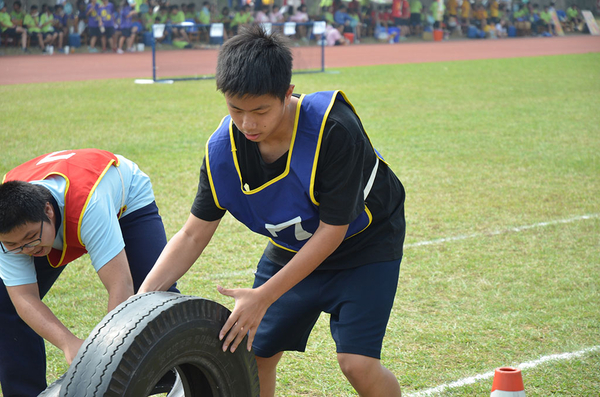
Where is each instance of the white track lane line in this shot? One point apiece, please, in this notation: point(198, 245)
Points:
point(504, 231)
point(488, 375)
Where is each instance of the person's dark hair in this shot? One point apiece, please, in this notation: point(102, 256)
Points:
point(33, 7)
point(254, 63)
point(17, 3)
point(20, 203)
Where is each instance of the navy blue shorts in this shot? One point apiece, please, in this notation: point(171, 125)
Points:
point(358, 300)
point(94, 31)
point(125, 32)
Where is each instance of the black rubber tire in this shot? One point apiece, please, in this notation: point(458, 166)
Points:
point(145, 337)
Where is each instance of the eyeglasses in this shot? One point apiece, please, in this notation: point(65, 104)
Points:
point(30, 244)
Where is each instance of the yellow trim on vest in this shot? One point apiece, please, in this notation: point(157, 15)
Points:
point(68, 184)
point(313, 175)
point(289, 159)
point(368, 224)
point(92, 190)
point(281, 246)
point(210, 178)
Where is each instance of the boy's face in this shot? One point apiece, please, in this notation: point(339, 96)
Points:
point(41, 233)
point(260, 118)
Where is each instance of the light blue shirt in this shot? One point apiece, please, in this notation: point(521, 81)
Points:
point(100, 230)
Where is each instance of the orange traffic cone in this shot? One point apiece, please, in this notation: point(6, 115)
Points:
point(508, 382)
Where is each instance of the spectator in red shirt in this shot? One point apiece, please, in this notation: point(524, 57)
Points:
point(383, 16)
point(404, 20)
point(396, 11)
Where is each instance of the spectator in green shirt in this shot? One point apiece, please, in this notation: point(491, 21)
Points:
point(573, 17)
point(32, 23)
point(328, 15)
point(205, 13)
point(190, 13)
point(241, 19)
point(177, 17)
point(9, 28)
point(47, 25)
point(415, 10)
point(17, 15)
point(225, 18)
point(547, 19)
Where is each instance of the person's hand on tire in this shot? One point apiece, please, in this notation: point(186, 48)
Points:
point(72, 348)
point(250, 308)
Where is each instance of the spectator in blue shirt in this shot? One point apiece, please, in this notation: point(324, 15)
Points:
point(342, 17)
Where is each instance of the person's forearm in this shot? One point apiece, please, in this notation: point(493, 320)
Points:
point(41, 319)
point(173, 262)
point(178, 256)
point(322, 243)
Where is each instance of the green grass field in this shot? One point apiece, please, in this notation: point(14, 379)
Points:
point(500, 160)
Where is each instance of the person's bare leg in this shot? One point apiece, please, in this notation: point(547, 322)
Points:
point(267, 374)
point(23, 37)
point(41, 41)
point(368, 377)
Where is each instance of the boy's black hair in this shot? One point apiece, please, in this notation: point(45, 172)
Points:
point(254, 63)
point(20, 203)
point(17, 3)
point(33, 7)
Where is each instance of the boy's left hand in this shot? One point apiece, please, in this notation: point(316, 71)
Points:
point(250, 307)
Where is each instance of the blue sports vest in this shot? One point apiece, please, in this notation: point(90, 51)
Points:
point(284, 208)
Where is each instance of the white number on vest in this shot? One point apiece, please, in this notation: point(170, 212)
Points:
point(300, 233)
point(55, 156)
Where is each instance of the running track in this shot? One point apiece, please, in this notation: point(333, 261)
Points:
point(78, 67)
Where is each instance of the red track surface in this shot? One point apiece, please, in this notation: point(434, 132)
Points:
point(74, 67)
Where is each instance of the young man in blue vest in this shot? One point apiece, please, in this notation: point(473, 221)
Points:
point(54, 209)
point(300, 170)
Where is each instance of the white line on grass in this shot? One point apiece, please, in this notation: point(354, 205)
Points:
point(488, 375)
point(504, 231)
point(516, 229)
